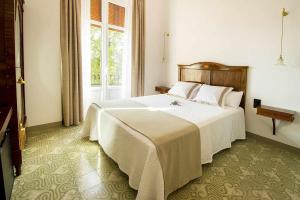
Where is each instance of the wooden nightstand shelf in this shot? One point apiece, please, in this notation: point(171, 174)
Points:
point(276, 113)
point(162, 89)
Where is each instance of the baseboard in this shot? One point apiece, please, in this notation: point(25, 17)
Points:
point(44, 126)
point(275, 143)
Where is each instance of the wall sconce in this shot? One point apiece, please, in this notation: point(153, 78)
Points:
point(166, 35)
point(280, 60)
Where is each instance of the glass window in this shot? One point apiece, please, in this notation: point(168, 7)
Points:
point(96, 45)
point(108, 46)
point(96, 10)
point(115, 56)
point(116, 15)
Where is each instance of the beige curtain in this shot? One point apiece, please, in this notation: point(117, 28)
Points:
point(70, 36)
point(138, 48)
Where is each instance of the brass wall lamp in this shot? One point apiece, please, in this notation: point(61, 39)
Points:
point(284, 13)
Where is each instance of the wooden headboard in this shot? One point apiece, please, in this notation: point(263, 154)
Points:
point(216, 74)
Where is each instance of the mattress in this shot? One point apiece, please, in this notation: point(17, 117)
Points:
point(136, 155)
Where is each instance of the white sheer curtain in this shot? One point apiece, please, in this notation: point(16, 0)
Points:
point(86, 69)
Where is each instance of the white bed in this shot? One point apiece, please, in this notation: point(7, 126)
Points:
point(136, 155)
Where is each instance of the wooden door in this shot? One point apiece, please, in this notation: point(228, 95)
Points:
point(19, 56)
point(11, 59)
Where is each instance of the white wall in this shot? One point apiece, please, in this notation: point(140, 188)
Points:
point(156, 22)
point(42, 61)
point(236, 32)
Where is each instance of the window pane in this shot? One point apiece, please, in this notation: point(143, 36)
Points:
point(96, 10)
point(116, 15)
point(96, 68)
point(115, 56)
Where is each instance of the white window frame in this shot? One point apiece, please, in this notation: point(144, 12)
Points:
point(105, 44)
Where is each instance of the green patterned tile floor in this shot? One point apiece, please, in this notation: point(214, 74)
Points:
point(60, 164)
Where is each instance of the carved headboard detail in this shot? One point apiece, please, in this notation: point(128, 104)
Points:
point(216, 74)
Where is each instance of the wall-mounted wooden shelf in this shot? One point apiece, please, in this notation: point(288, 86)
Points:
point(276, 113)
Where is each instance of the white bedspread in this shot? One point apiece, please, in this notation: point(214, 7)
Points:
point(136, 155)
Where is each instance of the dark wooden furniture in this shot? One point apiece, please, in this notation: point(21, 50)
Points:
point(6, 167)
point(216, 74)
point(162, 89)
point(276, 113)
point(12, 88)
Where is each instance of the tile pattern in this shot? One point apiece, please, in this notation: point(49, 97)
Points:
point(60, 164)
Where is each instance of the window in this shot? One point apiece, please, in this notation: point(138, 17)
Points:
point(115, 56)
point(96, 10)
point(116, 15)
point(96, 45)
point(108, 34)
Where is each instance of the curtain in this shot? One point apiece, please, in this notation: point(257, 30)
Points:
point(70, 36)
point(138, 48)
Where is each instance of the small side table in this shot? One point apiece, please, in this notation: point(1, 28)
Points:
point(276, 113)
point(162, 89)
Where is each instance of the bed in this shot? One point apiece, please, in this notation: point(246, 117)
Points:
point(138, 156)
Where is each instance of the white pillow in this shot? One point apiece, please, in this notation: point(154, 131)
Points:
point(194, 91)
point(212, 94)
point(225, 95)
point(233, 99)
point(182, 89)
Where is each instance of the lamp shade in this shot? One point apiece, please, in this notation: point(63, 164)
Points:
point(280, 61)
